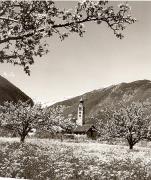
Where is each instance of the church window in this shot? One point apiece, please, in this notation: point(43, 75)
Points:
point(80, 108)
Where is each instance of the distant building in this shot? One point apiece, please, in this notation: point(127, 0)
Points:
point(87, 129)
point(82, 127)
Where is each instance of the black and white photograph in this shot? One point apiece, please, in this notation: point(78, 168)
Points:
point(75, 90)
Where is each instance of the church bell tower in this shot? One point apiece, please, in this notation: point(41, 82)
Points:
point(81, 113)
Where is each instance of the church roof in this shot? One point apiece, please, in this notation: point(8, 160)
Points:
point(84, 128)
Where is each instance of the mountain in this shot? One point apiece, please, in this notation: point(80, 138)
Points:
point(97, 100)
point(9, 92)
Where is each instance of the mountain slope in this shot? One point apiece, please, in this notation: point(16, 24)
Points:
point(9, 92)
point(97, 100)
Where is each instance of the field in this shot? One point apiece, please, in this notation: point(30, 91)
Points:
point(55, 160)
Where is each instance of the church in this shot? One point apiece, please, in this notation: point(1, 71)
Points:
point(82, 127)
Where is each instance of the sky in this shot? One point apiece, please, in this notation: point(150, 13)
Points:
point(78, 65)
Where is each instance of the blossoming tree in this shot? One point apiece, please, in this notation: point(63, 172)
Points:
point(26, 25)
point(20, 117)
point(56, 117)
point(132, 122)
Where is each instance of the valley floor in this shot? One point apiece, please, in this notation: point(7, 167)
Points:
point(43, 159)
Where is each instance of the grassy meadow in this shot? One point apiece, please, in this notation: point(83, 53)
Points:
point(43, 159)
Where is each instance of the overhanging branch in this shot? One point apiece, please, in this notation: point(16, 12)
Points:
point(53, 26)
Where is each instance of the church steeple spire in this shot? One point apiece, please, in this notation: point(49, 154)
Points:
point(81, 100)
point(81, 114)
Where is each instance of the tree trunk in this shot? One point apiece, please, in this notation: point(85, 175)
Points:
point(23, 134)
point(22, 139)
point(130, 141)
point(131, 146)
point(61, 138)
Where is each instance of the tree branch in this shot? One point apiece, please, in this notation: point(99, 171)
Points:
point(53, 26)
